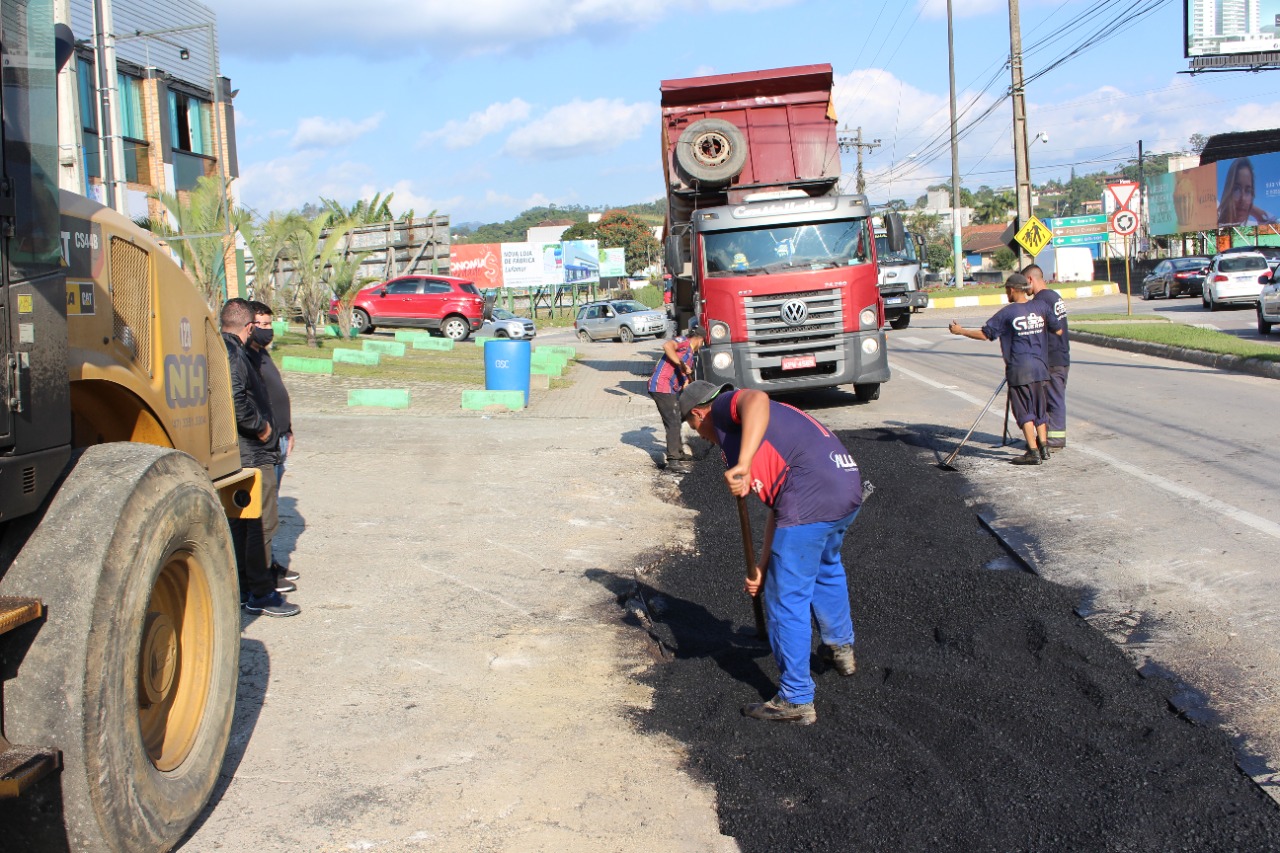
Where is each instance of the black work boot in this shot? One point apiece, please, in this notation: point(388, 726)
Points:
point(1031, 457)
point(840, 657)
point(1044, 453)
point(779, 710)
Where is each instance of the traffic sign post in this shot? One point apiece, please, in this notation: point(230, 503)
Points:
point(1079, 230)
point(1124, 222)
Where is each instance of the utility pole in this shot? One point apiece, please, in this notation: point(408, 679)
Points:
point(110, 143)
point(957, 251)
point(1021, 165)
point(1142, 206)
point(858, 145)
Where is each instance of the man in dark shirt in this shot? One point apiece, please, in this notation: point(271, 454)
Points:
point(257, 450)
point(813, 489)
point(1022, 328)
point(672, 372)
point(281, 415)
point(1059, 359)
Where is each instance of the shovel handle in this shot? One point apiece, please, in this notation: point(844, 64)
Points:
point(749, 555)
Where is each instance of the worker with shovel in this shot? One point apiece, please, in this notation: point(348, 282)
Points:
point(1023, 328)
point(813, 489)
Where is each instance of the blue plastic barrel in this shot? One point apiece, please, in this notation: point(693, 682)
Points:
point(506, 366)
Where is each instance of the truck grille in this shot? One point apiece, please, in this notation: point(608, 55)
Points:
point(766, 326)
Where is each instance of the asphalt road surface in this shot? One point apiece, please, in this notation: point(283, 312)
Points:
point(984, 716)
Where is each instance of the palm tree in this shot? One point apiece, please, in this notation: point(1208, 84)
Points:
point(313, 244)
point(268, 243)
point(994, 209)
point(344, 281)
point(198, 231)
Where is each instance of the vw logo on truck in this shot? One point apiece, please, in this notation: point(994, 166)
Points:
point(795, 312)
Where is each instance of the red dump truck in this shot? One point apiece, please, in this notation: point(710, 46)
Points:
point(776, 267)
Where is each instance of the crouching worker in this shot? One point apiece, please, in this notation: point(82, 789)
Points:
point(813, 489)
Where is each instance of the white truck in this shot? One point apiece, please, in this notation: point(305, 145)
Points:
point(1066, 263)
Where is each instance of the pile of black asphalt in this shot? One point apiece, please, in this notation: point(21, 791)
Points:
point(985, 715)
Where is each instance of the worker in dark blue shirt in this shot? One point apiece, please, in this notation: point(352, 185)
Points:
point(1059, 358)
point(1023, 327)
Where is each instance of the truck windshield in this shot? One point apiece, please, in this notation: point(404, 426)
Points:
point(758, 251)
point(906, 256)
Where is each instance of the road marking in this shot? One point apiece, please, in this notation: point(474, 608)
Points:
point(911, 342)
point(1209, 326)
point(1244, 517)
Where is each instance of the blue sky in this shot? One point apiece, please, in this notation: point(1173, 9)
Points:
point(481, 109)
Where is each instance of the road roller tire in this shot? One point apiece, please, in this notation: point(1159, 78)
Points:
point(133, 673)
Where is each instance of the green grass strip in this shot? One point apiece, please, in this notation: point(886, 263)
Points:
point(382, 398)
point(1111, 318)
point(1182, 335)
point(295, 364)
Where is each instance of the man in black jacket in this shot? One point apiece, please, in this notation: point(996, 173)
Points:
point(257, 450)
point(260, 337)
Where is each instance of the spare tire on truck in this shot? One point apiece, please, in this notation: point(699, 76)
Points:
point(133, 673)
point(711, 152)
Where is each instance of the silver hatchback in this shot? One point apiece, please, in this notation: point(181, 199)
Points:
point(619, 319)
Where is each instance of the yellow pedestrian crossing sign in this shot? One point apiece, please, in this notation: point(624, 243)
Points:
point(1034, 236)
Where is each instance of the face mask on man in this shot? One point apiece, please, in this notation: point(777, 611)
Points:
point(263, 337)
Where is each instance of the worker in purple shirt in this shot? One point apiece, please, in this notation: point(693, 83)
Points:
point(1023, 328)
point(1059, 358)
point(672, 372)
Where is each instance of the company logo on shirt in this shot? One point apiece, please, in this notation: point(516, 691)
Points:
point(843, 461)
point(1060, 309)
point(1028, 324)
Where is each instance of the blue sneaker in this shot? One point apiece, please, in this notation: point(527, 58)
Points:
point(271, 605)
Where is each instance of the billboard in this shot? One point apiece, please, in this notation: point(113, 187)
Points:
point(1232, 28)
point(480, 262)
point(522, 264)
point(1248, 190)
point(613, 263)
point(581, 261)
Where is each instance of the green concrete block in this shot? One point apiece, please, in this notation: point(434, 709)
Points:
point(547, 369)
point(569, 352)
point(385, 347)
point(356, 356)
point(425, 342)
point(513, 400)
point(383, 398)
point(481, 340)
point(279, 326)
point(332, 331)
point(296, 364)
point(408, 336)
point(549, 358)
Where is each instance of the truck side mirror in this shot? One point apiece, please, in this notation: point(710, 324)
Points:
point(674, 257)
point(895, 233)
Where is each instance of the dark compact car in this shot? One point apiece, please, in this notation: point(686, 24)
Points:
point(453, 307)
point(1175, 277)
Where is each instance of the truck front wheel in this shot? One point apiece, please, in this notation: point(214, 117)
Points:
point(901, 321)
point(867, 392)
point(133, 674)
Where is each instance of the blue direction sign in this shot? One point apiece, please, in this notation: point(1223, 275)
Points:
point(1078, 230)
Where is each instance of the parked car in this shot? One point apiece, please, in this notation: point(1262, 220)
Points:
point(1269, 307)
point(450, 306)
point(1235, 277)
point(1173, 277)
point(619, 319)
point(504, 324)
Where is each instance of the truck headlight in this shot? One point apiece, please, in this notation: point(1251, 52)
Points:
point(722, 361)
point(870, 346)
point(719, 331)
point(868, 318)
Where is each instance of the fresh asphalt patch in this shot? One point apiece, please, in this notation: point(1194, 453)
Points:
point(985, 715)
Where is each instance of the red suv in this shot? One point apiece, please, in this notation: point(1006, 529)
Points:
point(451, 306)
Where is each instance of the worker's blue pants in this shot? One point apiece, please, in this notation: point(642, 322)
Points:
point(806, 573)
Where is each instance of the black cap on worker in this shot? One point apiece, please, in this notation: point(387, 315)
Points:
point(1017, 281)
point(699, 393)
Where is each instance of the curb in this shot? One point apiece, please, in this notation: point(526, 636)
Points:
point(1236, 363)
point(996, 299)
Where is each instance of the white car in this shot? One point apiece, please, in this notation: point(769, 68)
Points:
point(504, 324)
point(1269, 307)
point(1234, 278)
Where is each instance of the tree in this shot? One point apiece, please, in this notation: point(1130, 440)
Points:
point(618, 229)
point(344, 282)
point(206, 214)
point(1197, 142)
point(313, 243)
point(1005, 258)
point(268, 243)
point(994, 209)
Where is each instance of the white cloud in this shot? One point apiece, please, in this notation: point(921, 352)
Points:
point(321, 132)
point(580, 127)
point(478, 125)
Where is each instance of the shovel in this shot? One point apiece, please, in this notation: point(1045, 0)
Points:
point(749, 554)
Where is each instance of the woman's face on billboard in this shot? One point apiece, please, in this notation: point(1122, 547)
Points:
point(1240, 194)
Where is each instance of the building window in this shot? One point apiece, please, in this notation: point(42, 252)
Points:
point(88, 92)
point(131, 107)
point(189, 124)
